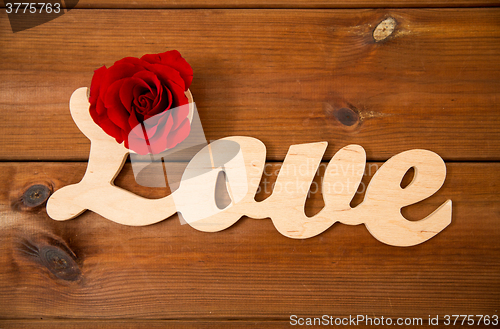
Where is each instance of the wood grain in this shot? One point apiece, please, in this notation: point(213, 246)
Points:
point(282, 76)
point(94, 268)
point(288, 4)
point(154, 324)
point(139, 324)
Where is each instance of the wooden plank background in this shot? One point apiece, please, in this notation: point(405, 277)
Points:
point(282, 4)
point(285, 76)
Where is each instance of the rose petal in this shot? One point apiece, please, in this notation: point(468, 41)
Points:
point(140, 89)
point(156, 93)
point(135, 132)
point(178, 96)
point(157, 122)
point(180, 134)
point(158, 141)
point(179, 114)
point(173, 59)
point(95, 85)
point(163, 105)
point(137, 144)
point(166, 73)
point(148, 77)
point(132, 121)
point(115, 109)
point(100, 108)
point(115, 73)
point(127, 91)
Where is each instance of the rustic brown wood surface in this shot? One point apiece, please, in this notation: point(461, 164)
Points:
point(276, 3)
point(283, 76)
point(154, 324)
point(388, 79)
point(90, 267)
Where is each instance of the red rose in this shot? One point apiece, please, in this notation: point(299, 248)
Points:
point(135, 95)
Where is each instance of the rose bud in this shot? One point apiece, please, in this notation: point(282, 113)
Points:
point(142, 102)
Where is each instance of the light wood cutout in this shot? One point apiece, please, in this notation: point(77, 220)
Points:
point(380, 211)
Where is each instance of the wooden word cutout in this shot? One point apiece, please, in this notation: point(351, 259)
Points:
point(380, 211)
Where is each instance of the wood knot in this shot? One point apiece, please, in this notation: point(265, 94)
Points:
point(53, 255)
point(59, 263)
point(346, 116)
point(35, 195)
point(384, 29)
